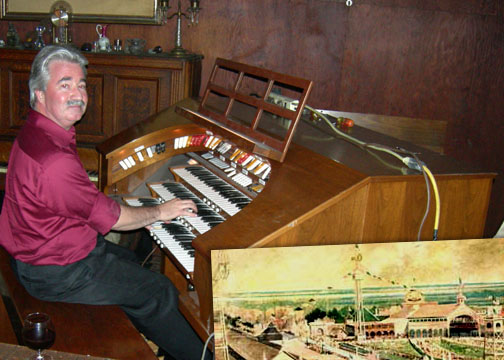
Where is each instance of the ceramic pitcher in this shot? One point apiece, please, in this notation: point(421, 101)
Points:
point(103, 40)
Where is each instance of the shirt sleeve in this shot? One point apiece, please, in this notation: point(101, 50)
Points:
point(66, 190)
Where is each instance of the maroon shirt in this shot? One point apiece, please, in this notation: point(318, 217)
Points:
point(52, 212)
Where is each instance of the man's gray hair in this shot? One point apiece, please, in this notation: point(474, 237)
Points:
point(39, 75)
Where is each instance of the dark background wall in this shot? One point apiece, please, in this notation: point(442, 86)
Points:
point(433, 59)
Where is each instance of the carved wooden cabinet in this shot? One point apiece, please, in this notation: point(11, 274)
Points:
point(122, 89)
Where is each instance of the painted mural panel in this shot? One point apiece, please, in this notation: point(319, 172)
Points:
point(411, 300)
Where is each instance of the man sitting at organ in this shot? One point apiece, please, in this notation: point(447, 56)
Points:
point(53, 218)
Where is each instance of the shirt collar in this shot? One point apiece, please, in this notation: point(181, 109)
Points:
point(60, 136)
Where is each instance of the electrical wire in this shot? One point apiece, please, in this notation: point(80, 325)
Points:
point(206, 345)
point(429, 177)
point(377, 147)
point(438, 202)
point(148, 256)
point(427, 206)
point(410, 161)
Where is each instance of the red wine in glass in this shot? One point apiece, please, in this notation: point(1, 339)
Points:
point(38, 334)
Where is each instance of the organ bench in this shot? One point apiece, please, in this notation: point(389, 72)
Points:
point(96, 330)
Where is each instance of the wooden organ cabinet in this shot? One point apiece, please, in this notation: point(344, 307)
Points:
point(303, 185)
point(122, 89)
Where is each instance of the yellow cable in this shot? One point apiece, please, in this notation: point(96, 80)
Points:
point(436, 195)
point(405, 160)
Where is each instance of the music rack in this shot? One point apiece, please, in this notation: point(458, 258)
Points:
point(262, 126)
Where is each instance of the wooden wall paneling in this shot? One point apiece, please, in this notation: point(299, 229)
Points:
point(485, 111)
point(480, 7)
point(476, 135)
point(416, 72)
point(310, 37)
point(420, 59)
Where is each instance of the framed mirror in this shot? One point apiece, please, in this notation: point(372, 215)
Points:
point(110, 11)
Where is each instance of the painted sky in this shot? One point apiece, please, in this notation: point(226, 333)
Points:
point(320, 267)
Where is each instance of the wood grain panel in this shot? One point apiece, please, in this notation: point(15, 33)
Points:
point(457, 219)
point(481, 7)
point(340, 222)
point(387, 200)
point(426, 133)
point(396, 208)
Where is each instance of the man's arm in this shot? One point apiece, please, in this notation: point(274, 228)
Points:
point(132, 217)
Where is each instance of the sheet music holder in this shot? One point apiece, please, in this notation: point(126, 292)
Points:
point(256, 108)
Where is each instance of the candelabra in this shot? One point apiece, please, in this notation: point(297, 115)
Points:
point(192, 14)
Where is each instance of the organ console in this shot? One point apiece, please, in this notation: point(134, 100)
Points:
point(264, 175)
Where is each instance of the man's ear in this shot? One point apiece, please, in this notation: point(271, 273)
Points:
point(40, 95)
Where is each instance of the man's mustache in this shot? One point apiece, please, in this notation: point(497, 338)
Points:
point(76, 102)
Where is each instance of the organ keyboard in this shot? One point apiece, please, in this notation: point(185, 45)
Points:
point(212, 195)
point(208, 216)
point(251, 192)
point(175, 239)
point(217, 192)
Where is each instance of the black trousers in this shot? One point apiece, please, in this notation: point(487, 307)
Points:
point(110, 275)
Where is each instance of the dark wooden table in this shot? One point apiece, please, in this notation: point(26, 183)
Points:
point(16, 352)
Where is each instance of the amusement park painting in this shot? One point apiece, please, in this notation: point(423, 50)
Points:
point(403, 300)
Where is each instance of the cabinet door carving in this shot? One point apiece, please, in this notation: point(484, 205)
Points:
point(138, 96)
point(17, 99)
point(91, 128)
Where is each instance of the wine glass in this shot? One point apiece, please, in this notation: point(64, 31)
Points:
point(38, 334)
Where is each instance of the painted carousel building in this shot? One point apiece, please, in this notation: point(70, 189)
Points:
point(420, 319)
